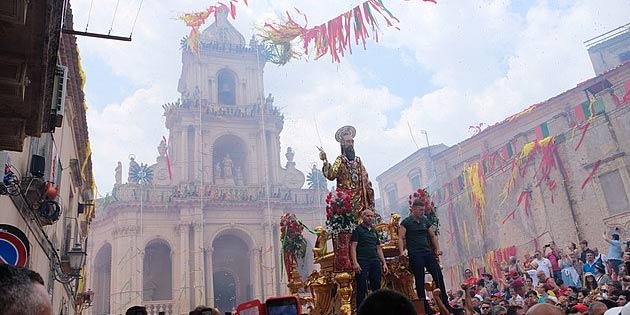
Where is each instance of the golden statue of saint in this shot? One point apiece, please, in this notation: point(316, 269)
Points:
point(348, 170)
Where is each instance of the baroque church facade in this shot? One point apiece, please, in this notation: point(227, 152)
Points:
point(200, 226)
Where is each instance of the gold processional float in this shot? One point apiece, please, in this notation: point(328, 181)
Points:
point(329, 290)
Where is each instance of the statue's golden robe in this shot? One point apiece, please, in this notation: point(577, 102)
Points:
point(351, 175)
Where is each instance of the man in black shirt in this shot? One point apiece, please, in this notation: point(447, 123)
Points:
point(416, 234)
point(367, 256)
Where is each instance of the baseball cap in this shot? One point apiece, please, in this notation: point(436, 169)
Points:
point(581, 308)
point(552, 298)
point(512, 272)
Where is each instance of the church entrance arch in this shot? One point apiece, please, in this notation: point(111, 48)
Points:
point(157, 272)
point(224, 290)
point(231, 270)
point(102, 280)
point(229, 157)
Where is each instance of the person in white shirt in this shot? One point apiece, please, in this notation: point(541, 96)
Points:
point(531, 272)
point(544, 264)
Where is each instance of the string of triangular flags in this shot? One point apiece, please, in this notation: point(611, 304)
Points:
point(277, 39)
point(333, 37)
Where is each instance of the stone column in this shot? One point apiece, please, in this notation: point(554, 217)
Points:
point(123, 285)
point(274, 157)
point(255, 272)
point(209, 276)
point(117, 273)
point(183, 287)
point(213, 96)
point(269, 270)
point(137, 264)
point(199, 290)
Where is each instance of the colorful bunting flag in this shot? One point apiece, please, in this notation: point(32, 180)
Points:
point(332, 37)
point(586, 110)
point(507, 151)
point(626, 97)
point(542, 131)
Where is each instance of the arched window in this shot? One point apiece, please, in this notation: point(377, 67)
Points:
point(102, 280)
point(157, 279)
point(391, 192)
point(415, 179)
point(226, 85)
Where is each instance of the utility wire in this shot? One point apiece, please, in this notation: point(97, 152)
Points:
point(136, 19)
point(113, 18)
point(89, 15)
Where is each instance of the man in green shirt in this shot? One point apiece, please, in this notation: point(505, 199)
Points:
point(416, 234)
point(367, 256)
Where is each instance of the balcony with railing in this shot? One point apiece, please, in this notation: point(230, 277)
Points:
point(155, 307)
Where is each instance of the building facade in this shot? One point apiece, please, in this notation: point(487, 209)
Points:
point(47, 188)
point(396, 183)
point(557, 171)
point(610, 49)
point(203, 226)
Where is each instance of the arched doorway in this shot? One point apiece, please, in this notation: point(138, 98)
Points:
point(102, 280)
point(231, 277)
point(224, 290)
point(157, 272)
point(229, 157)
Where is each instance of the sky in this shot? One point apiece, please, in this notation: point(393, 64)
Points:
point(449, 66)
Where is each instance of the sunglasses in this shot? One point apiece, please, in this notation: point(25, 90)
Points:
point(485, 308)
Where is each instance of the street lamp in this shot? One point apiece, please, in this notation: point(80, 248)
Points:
point(76, 257)
point(70, 265)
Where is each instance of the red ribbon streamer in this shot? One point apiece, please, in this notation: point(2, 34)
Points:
point(584, 129)
point(512, 215)
point(525, 196)
point(595, 167)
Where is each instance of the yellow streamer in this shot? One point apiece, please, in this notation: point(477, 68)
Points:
point(475, 187)
point(466, 239)
point(528, 148)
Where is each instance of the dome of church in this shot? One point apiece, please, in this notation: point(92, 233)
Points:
point(222, 31)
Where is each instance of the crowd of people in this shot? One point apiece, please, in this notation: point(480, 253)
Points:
point(576, 280)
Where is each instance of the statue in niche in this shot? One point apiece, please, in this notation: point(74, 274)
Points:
point(269, 100)
point(196, 93)
point(217, 171)
point(239, 176)
point(162, 148)
point(118, 175)
point(227, 167)
point(133, 165)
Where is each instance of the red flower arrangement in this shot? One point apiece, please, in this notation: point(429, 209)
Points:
point(429, 210)
point(340, 214)
point(293, 241)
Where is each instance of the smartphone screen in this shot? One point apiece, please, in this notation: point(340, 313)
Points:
point(282, 306)
point(251, 308)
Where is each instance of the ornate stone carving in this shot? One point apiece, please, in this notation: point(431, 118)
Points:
point(222, 32)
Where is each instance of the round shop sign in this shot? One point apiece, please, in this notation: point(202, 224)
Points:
point(14, 246)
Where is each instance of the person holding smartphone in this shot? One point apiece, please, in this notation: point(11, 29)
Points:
point(367, 256)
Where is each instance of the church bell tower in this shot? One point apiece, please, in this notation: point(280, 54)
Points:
point(223, 130)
